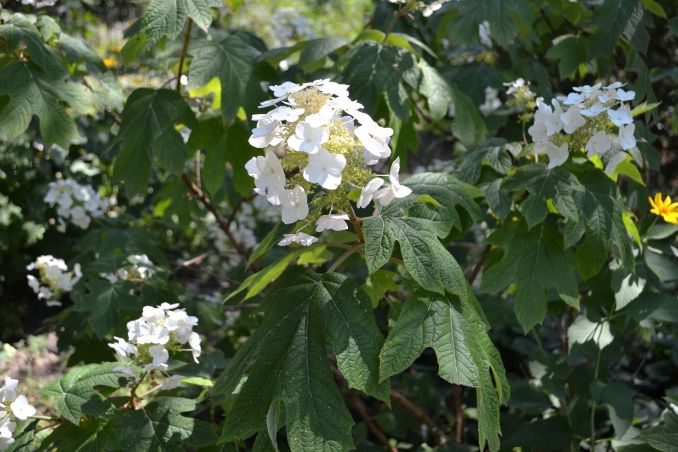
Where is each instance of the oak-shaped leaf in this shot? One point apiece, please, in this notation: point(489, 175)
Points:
point(536, 263)
point(466, 356)
point(286, 359)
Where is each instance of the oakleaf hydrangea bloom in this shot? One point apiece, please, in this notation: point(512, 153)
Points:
point(13, 406)
point(54, 278)
point(138, 269)
point(319, 144)
point(75, 203)
point(596, 119)
point(150, 338)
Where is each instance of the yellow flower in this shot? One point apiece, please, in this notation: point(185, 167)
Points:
point(110, 62)
point(664, 208)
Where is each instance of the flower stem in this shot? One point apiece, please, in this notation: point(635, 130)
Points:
point(344, 256)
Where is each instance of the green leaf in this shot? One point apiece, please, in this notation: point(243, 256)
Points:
point(148, 124)
point(25, 441)
point(161, 426)
point(354, 337)
point(583, 330)
point(316, 49)
point(29, 90)
point(619, 400)
point(655, 8)
point(374, 69)
point(103, 302)
point(468, 125)
point(232, 61)
point(417, 227)
point(19, 31)
point(557, 185)
point(499, 13)
point(569, 52)
point(75, 393)
point(600, 207)
point(614, 18)
point(258, 281)
point(533, 260)
point(663, 437)
point(166, 18)
point(492, 152)
point(465, 353)
point(92, 435)
point(437, 91)
point(288, 360)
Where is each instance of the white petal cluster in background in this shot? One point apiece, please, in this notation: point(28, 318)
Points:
point(138, 269)
point(53, 279)
point(75, 203)
point(595, 118)
point(289, 25)
point(318, 141)
point(159, 331)
point(13, 406)
point(492, 101)
point(242, 228)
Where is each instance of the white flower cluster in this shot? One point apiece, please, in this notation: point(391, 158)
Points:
point(139, 269)
point(38, 3)
point(75, 203)
point(150, 339)
point(312, 132)
point(586, 116)
point(12, 407)
point(54, 278)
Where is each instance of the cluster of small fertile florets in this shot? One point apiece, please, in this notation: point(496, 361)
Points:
point(54, 278)
point(12, 407)
point(521, 96)
point(138, 269)
point(76, 203)
point(312, 141)
point(150, 339)
point(595, 118)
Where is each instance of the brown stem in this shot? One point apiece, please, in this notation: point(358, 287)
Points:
point(355, 221)
point(458, 415)
point(473, 271)
point(344, 256)
point(420, 414)
point(396, 15)
point(184, 51)
point(359, 405)
point(133, 392)
point(223, 225)
point(236, 209)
